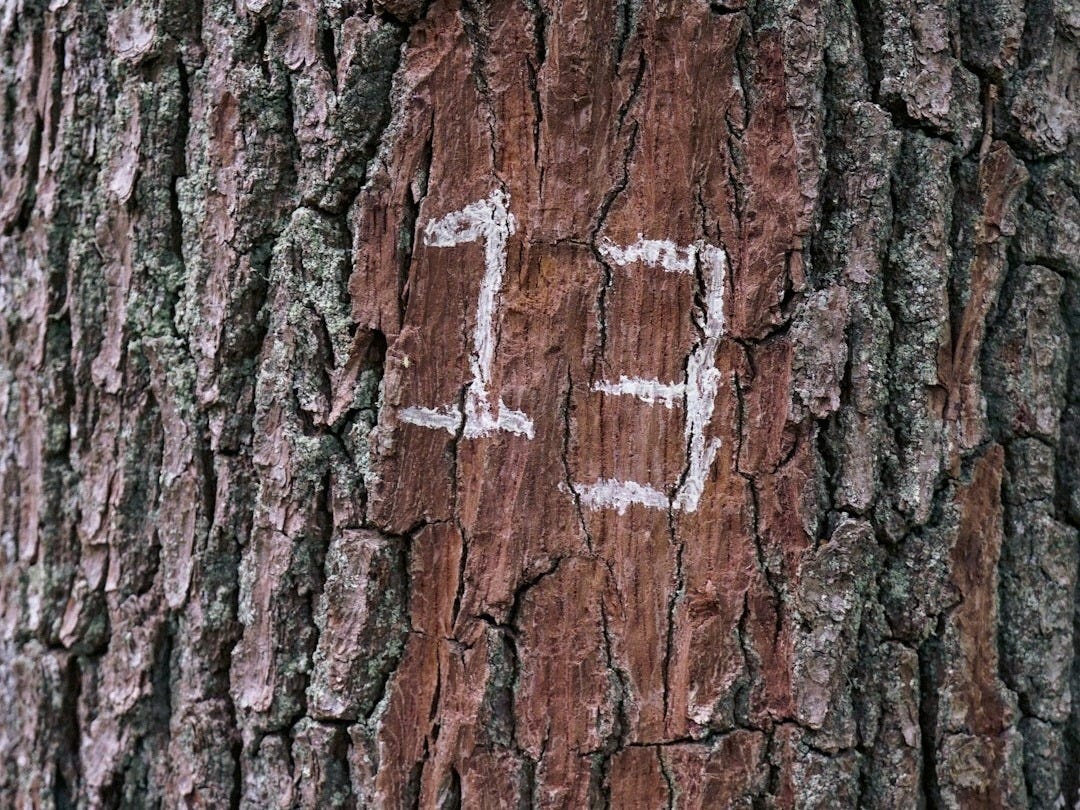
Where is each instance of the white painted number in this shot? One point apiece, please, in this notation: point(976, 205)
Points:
point(698, 392)
point(488, 221)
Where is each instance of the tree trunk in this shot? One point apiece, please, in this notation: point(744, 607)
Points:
point(539, 403)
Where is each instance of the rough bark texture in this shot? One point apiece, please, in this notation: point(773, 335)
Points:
point(723, 450)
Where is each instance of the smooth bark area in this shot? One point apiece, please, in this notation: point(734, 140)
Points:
point(539, 403)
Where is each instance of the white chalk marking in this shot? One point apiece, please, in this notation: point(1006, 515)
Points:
point(698, 392)
point(607, 493)
point(661, 253)
point(490, 221)
point(703, 382)
point(448, 419)
point(715, 265)
point(647, 390)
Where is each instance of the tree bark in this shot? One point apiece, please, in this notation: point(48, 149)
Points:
point(539, 403)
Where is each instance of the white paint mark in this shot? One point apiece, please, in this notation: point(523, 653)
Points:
point(448, 419)
point(703, 382)
point(702, 385)
point(647, 390)
point(491, 222)
point(698, 392)
point(607, 493)
point(661, 253)
point(715, 262)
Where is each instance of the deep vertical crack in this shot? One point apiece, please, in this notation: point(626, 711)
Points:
point(568, 479)
point(609, 274)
